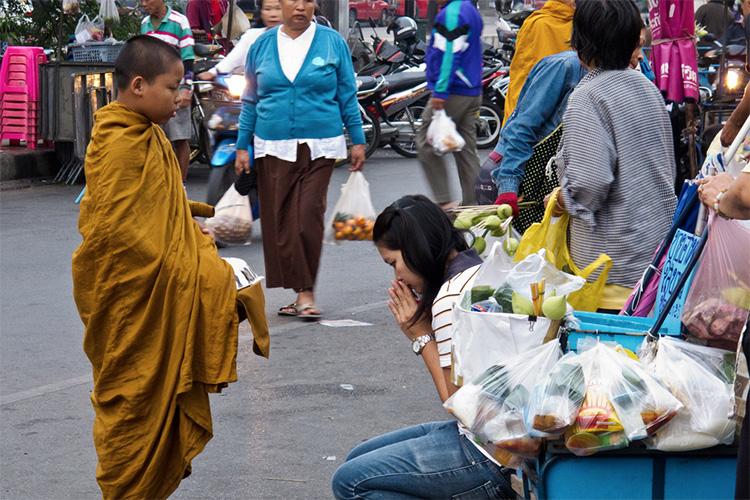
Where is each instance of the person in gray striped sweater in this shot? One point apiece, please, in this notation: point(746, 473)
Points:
point(615, 160)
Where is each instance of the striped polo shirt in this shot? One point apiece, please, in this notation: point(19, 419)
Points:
point(175, 30)
point(442, 308)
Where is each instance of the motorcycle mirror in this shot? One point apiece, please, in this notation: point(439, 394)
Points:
point(372, 23)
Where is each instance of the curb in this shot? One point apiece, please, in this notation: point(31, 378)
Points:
point(22, 163)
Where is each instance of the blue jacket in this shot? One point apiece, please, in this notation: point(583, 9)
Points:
point(320, 101)
point(454, 57)
point(539, 112)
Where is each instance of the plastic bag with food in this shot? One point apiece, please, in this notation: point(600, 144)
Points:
point(83, 29)
point(70, 6)
point(554, 404)
point(492, 405)
point(354, 215)
point(233, 219)
point(109, 14)
point(442, 134)
point(703, 386)
point(717, 304)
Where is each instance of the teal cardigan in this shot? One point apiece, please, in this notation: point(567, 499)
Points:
point(318, 104)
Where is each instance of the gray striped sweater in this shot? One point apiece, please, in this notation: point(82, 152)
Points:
point(616, 169)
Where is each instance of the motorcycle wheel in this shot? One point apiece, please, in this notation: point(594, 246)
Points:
point(489, 123)
point(408, 148)
point(383, 21)
point(219, 180)
point(371, 128)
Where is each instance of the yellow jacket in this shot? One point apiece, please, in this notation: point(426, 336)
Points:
point(545, 32)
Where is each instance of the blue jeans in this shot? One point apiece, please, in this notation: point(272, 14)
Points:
point(424, 461)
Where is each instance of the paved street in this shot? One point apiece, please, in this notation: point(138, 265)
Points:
point(280, 431)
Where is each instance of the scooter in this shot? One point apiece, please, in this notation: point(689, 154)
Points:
point(224, 108)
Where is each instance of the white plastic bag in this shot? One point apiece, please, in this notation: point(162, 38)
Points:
point(233, 219)
point(82, 32)
point(442, 134)
point(706, 393)
point(353, 217)
point(240, 23)
point(108, 12)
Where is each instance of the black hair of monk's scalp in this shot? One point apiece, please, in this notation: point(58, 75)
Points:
point(426, 238)
point(145, 56)
point(606, 32)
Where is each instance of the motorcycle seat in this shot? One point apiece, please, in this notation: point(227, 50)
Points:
point(365, 83)
point(405, 80)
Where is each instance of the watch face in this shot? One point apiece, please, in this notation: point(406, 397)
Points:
point(416, 346)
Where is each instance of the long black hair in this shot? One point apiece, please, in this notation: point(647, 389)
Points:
point(258, 21)
point(426, 238)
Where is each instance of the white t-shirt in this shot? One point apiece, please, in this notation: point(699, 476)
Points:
point(442, 311)
point(234, 62)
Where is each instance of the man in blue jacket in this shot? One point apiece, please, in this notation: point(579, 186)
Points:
point(454, 74)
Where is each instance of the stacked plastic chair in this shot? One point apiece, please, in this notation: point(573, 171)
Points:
point(19, 94)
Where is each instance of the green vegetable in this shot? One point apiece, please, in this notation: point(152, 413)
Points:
point(480, 293)
point(504, 297)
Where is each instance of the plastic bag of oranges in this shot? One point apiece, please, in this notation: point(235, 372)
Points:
point(353, 216)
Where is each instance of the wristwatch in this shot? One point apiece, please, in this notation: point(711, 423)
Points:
point(418, 343)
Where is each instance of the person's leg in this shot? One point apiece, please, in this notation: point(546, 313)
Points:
point(433, 165)
point(313, 189)
point(431, 461)
point(182, 151)
point(463, 110)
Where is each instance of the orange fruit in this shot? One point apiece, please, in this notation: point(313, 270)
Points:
point(369, 226)
point(361, 237)
point(361, 221)
point(347, 230)
point(357, 231)
point(351, 222)
point(339, 235)
point(339, 226)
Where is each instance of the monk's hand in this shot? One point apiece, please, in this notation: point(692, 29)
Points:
point(242, 163)
point(204, 228)
point(358, 158)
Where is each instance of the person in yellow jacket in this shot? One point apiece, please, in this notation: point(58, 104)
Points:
point(160, 307)
point(543, 33)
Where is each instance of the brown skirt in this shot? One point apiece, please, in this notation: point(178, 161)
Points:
point(292, 199)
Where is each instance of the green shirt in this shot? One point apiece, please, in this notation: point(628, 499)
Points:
point(173, 29)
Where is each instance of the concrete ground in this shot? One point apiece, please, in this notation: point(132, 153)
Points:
point(280, 431)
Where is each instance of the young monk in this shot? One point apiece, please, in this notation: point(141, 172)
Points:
point(159, 305)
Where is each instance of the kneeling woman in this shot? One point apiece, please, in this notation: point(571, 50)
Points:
point(431, 258)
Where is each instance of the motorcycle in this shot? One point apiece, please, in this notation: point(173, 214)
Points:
point(200, 142)
point(492, 108)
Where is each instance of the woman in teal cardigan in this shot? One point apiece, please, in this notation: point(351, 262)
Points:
point(300, 93)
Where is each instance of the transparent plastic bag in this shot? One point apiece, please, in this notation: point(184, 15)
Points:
point(96, 29)
point(82, 31)
point(442, 134)
point(643, 405)
point(233, 219)
point(108, 13)
point(492, 405)
point(716, 307)
point(554, 403)
point(354, 215)
point(704, 420)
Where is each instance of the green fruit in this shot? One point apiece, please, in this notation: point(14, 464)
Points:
point(480, 293)
point(492, 222)
point(478, 218)
point(462, 222)
point(510, 245)
point(737, 296)
point(498, 233)
point(479, 244)
point(504, 211)
point(522, 305)
point(555, 307)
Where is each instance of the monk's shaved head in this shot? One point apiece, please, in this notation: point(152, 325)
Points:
point(144, 56)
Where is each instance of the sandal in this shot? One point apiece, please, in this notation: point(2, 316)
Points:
point(290, 310)
point(307, 307)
